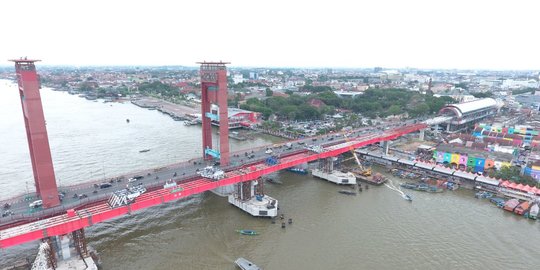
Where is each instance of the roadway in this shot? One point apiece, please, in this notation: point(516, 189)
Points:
point(155, 178)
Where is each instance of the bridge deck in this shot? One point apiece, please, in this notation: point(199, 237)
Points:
point(62, 224)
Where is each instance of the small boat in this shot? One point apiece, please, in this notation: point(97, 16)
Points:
point(406, 197)
point(434, 189)
point(533, 212)
point(127, 120)
point(521, 208)
point(144, 150)
point(409, 185)
point(511, 204)
point(273, 181)
point(483, 195)
point(246, 265)
point(297, 170)
point(347, 192)
point(498, 201)
point(247, 232)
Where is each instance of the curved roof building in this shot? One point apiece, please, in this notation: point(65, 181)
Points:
point(469, 112)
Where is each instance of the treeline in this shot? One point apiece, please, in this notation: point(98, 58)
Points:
point(159, 88)
point(373, 103)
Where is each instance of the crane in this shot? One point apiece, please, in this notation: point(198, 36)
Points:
point(363, 171)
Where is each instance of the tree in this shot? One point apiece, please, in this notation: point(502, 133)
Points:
point(394, 110)
point(269, 92)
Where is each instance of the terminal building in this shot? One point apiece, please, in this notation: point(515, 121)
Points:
point(468, 113)
point(237, 117)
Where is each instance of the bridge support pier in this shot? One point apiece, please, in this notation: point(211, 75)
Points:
point(60, 252)
point(386, 146)
point(422, 134)
point(249, 196)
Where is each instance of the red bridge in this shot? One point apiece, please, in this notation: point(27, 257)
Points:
point(56, 220)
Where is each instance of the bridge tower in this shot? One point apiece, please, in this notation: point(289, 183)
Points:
point(36, 132)
point(214, 91)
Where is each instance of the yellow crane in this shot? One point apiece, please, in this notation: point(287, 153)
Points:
point(363, 171)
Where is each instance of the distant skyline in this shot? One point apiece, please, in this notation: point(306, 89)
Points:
point(443, 34)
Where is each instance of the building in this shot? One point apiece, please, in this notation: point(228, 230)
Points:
point(237, 117)
point(468, 113)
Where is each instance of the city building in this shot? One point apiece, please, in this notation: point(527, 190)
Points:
point(468, 113)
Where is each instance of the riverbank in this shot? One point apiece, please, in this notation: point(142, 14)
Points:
point(177, 111)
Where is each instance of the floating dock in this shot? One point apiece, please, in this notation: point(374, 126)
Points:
point(258, 206)
point(335, 177)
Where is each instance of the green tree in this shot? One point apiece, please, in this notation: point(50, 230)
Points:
point(269, 92)
point(394, 110)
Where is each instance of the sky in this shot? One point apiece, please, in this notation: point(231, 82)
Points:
point(448, 34)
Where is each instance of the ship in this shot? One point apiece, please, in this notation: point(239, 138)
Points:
point(246, 265)
point(366, 176)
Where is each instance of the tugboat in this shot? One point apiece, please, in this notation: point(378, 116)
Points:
point(246, 265)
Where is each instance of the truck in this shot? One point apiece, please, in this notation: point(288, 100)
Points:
point(125, 196)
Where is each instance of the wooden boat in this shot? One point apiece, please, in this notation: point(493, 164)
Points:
point(347, 192)
point(246, 265)
point(511, 204)
point(521, 208)
point(144, 150)
point(498, 201)
point(247, 232)
point(533, 212)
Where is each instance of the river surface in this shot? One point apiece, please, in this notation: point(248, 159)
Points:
point(374, 230)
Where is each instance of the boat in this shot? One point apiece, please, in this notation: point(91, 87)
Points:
point(297, 170)
point(510, 205)
point(376, 179)
point(408, 185)
point(247, 232)
point(521, 208)
point(144, 150)
point(533, 212)
point(273, 181)
point(434, 189)
point(347, 192)
point(498, 201)
point(246, 265)
point(483, 195)
point(407, 197)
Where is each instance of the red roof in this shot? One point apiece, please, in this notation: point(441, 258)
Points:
point(512, 185)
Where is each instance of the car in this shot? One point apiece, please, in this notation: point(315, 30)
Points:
point(36, 204)
point(138, 177)
point(7, 213)
point(132, 179)
point(82, 196)
point(269, 151)
point(217, 163)
point(105, 185)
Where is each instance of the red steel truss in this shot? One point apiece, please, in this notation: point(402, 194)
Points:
point(63, 224)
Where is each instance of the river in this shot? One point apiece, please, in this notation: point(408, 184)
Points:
point(375, 230)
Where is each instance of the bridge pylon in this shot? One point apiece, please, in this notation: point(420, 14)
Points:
point(36, 132)
point(214, 91)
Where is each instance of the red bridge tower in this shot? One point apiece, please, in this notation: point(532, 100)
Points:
point(214, 91)
point(36, 132)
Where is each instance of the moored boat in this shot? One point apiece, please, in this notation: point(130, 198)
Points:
point(408, 185)
point(377, 179)
point(521, 208)
point(498, 201)
point(533, 212)
point(510, 205)
point(246, 265)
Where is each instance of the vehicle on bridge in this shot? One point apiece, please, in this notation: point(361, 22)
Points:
point(36, 204)
point(125, 196)
point(212, 173)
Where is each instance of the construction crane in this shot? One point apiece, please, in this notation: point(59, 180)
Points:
point(363, 171)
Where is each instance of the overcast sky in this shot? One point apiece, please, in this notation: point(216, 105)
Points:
point(333, 33)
